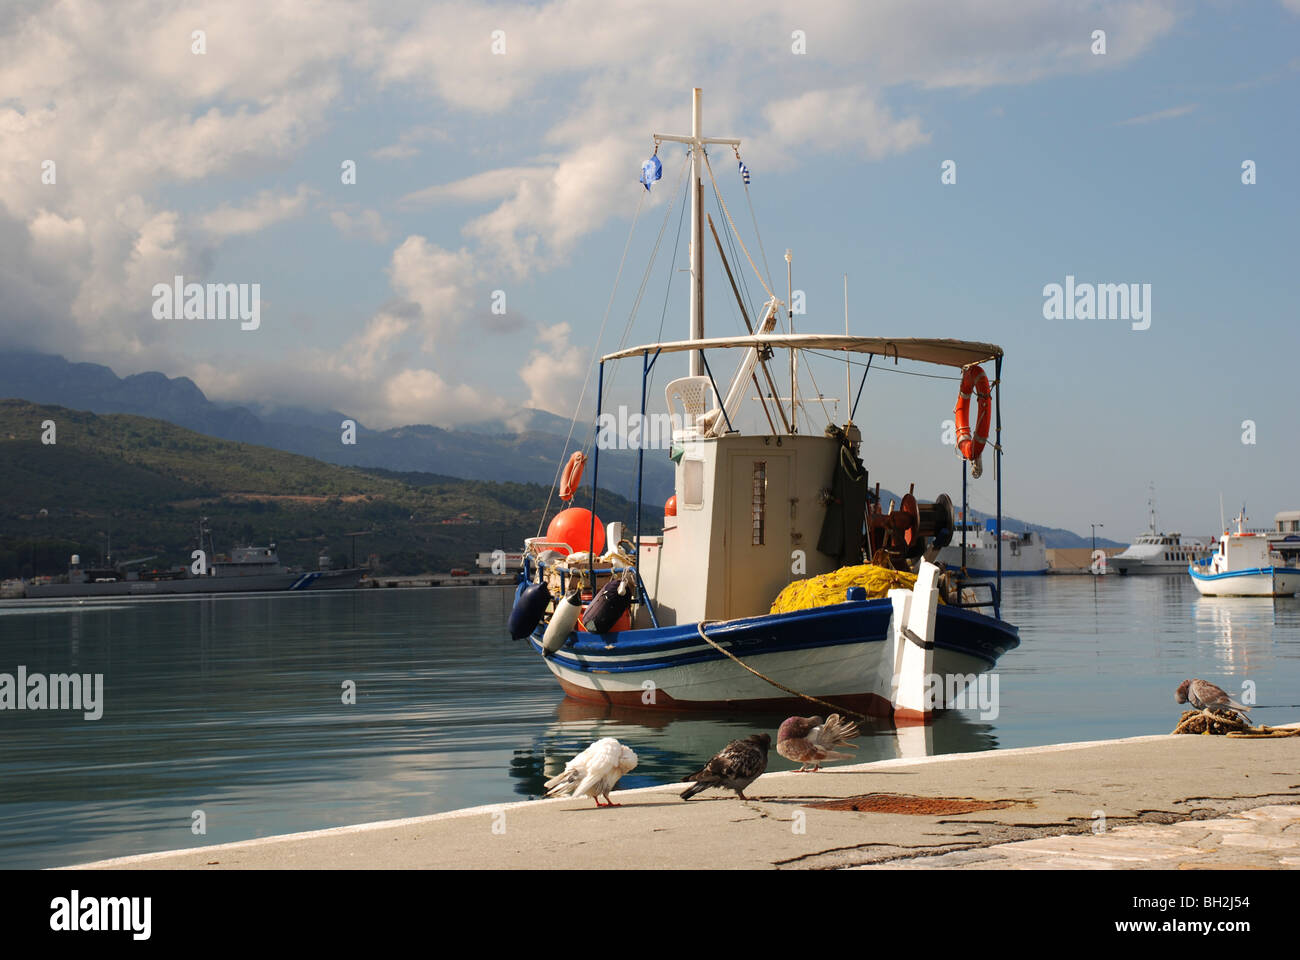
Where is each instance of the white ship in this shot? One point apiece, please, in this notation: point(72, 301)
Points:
point(1159, 552)
point(1023, 554)
point(1244, 566)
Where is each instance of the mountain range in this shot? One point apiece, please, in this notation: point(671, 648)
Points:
point(528, 449)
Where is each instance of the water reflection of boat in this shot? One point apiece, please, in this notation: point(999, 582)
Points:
point(668, 743)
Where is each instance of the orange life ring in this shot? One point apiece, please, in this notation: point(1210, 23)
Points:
point(572, 475)
point(969, 447)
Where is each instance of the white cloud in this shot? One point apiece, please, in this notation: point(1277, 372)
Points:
point(829, 120)
point(440, 282)
point(1169, 114)
point(367, 223)
point(406, 145)
point(264, 210)
point(113, 94)
point(554, 372)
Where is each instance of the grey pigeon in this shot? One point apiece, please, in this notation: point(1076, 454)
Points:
point(735, 766)
point(812, 740)
point(1207, 697)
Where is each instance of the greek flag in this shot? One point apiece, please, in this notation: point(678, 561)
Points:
point(744, 171)
point(651, 171)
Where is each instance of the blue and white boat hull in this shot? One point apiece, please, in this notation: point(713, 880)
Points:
point(840, 653)
point(1256, 582)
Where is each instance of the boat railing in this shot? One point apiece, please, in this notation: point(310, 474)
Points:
point(994, 600)
point(580, 574)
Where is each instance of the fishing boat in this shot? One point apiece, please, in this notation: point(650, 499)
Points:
point(1244, 566)
point(692, 618)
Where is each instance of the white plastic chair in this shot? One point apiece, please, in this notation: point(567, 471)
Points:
point(691, 396)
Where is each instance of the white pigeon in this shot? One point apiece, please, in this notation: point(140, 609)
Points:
point(594, 772)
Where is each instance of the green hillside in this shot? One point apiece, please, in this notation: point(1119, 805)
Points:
point(145, 483)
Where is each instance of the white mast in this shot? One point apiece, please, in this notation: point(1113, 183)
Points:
point(696, 142)
point(794, 355)
point(848, 375)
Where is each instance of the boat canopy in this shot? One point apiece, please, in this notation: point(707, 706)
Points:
point(948, 353)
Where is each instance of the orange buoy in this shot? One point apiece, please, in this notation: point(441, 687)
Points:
point(573, 526)
point(971, 446)
point(670, 506)
point(572, 475)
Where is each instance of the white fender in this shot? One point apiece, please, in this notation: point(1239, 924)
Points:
point(562, 622)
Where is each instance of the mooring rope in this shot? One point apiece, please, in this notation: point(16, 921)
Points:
point(1233, 726)
point(780, 686)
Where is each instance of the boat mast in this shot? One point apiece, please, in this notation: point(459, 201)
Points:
point(794, 356)
point(696, 142)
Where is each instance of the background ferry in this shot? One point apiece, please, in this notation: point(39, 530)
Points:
point(1023, 554)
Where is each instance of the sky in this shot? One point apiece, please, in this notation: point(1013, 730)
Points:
point(468, 269)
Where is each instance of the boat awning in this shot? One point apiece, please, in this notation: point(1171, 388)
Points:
point(948, 353)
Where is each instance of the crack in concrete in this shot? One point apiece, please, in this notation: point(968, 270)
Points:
point(1072, 828)
point(946, 847)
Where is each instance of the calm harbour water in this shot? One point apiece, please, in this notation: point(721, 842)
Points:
point(233, 706)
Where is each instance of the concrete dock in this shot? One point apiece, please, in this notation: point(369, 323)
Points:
point(1161, 802)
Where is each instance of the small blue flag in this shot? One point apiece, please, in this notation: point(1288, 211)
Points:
point(651, 171)
point(744, 171)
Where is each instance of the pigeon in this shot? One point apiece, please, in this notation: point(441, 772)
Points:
point(812, 740)
point(594, 772)
point(1207, 697)
point(735, 766)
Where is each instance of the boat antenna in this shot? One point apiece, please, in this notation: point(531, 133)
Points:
point(848, 381)
point(1223, 524)
point(794, 356)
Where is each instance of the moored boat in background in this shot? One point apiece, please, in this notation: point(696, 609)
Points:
point(1244, 566)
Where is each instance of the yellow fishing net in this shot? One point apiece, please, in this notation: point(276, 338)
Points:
point(831, 587)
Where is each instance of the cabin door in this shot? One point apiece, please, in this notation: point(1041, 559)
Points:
point(758, 531)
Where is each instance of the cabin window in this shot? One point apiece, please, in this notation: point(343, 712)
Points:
point(758, 500)
point(693, 483)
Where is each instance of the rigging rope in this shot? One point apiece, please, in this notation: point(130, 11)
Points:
point(752, 216)
point(592, 436)
point(573, 422)
point(708, 166)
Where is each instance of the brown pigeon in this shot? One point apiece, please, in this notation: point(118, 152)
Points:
point(812, 740)
point(1207, 697)
point(735, 766)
